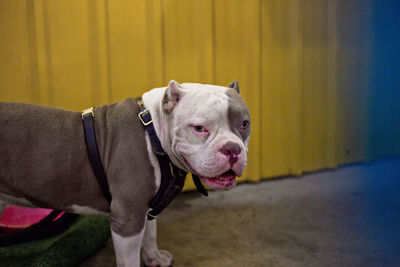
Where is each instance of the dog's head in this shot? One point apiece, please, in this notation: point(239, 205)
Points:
point(208, 131)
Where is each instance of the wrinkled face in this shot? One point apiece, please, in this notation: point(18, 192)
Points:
point(210, 133)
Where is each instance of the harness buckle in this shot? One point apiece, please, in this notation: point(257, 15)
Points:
point(143, 113)
point(87, 111)
point(151, 216)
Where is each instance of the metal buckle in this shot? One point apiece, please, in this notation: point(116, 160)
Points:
point(141, 117)
point(151, 215)
point(158, 153)
point(171, 168)
point(140, 101)
point(87, 111)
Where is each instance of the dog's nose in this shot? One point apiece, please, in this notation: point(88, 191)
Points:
point(232, 150)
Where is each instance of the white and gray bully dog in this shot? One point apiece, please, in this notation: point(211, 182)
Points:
point(204, 129)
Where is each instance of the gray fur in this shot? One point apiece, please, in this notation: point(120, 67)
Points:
point(234, 85)
point(237, 113)
point(43, 158)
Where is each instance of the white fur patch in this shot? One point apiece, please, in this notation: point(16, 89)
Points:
point(154, 162)
point(152, 256)
point(150, 236)
point(127, 249)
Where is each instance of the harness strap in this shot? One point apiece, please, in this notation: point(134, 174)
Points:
point(93, 152)
point(199, 185)
point(172, 178)
point(147, 121)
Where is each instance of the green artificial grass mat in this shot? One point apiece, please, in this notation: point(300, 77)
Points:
point(82, 238)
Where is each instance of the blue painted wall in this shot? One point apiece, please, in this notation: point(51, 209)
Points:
point(384, 109)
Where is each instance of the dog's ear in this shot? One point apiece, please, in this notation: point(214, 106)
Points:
point(234, 85)
point(171, 96)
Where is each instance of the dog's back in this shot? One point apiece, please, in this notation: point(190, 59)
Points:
point(42, 154)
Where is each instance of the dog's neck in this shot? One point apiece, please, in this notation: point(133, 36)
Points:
point(153, 102)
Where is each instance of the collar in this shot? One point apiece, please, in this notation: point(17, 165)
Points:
point(172, 178)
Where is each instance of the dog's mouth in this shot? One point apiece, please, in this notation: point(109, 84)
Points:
point(223, 182)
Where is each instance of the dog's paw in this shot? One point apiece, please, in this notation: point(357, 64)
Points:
point(160, 258)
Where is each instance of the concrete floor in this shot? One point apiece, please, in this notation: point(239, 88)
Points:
point(346, 217)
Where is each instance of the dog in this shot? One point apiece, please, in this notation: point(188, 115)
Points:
point(204, 129)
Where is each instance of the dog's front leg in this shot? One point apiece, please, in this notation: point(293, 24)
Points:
point(127, 230)
point(152, 256)
point(127, 249)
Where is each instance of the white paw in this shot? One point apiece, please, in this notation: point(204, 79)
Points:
point(159, 258)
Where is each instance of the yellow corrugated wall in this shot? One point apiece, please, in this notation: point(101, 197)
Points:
point(300, 65)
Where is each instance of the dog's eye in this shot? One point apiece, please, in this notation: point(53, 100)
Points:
point(245, 124)
point(199, 128)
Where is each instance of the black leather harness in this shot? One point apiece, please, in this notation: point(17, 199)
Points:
point(172, 178)
point(93, 152)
